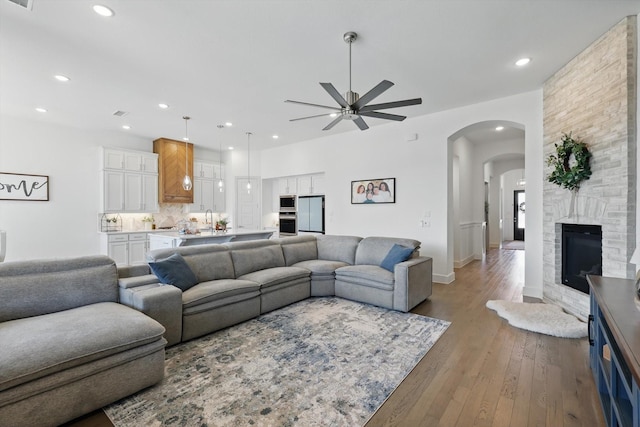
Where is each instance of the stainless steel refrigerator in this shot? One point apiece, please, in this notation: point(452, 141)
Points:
point(311, 214)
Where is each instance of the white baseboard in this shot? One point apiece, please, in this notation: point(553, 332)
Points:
point(463, 262)
point(444, 278)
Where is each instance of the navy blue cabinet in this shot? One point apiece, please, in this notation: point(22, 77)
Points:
point(614, 335)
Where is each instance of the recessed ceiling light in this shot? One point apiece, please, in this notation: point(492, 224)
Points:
point(127, 127)
point(61, 78)
point(41, 110)
point(230, 148)
point(163, 106)
point(185, 138)
point(522, 62)
point(499, 128)
point(102, 10)
point(228, 124)
point(275, 137)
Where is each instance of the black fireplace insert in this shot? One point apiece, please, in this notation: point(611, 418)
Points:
point(581, 254)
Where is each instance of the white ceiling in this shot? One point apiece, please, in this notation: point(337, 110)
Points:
point(238, 60)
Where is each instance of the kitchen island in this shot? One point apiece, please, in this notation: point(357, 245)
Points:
point(172, 239)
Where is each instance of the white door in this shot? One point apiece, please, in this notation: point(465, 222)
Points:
point(150, 193)
point(113, 191)
point(248, 202)
point(132, 192)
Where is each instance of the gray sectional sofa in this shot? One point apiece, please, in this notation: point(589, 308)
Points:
point(238, 281)
point(67, 347)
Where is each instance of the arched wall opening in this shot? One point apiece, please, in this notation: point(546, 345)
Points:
point(478, 155)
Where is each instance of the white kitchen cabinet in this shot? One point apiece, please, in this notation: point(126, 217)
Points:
point(206, 191)
point(129, 181)
point(113, 191)
point(288, 185)
point(112, 159)
point(129, 160)
point(202, 195)
point(125, 248)
point(310, 184)
point(138, 247)
point(203, 169)
point(219, 198)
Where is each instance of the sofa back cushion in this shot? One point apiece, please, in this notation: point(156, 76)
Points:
point(373, 250)
point(255, 255)
point(208, 262)
point(298, 248)
point(338, 248)
point(36, 287)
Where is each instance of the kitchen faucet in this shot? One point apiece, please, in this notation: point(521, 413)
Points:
point(205, 218)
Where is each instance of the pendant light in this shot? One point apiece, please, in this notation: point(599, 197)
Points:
point(186, 181)
point(249, 162)
point(220, 182)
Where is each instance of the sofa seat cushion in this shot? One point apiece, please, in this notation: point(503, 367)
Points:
point(276, 275)
point(215, 290)
point(35, 347)
point(367, 275)
point(320, 267)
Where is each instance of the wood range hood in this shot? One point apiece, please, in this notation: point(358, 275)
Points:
point(171, 169)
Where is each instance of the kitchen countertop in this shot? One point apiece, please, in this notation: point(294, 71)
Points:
point(207, 234)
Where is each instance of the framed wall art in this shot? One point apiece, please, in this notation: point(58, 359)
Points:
point(16, 186)
point(380, 190)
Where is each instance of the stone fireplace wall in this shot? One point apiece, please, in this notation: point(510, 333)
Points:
point(594, 97)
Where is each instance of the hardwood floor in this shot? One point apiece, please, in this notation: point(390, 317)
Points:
point(483, 372)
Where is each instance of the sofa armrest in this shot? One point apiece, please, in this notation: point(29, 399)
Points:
point(162, 303)
point(413, 283)
point(134, 282)
point(133, 270)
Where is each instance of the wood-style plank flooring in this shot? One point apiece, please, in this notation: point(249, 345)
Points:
point(483, 372)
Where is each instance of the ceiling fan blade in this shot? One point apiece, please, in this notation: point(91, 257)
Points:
point(335, 94)
point(360, 123)
point(395, 104)
point(311, 117)
point(336, 109)
point(333, 123)
point(373, 93)
point(379, 115)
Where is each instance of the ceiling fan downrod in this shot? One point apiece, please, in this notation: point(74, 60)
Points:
point(351, 97)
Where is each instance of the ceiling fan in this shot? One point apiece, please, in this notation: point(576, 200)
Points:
point(352, 106)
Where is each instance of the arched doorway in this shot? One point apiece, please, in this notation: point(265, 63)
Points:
point(478, 155)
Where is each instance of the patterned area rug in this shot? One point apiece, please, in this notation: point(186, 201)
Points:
point(322, 361)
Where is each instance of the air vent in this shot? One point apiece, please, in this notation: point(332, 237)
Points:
point(27, 4)
point(119, 113)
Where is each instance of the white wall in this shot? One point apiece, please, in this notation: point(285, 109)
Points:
point(66, 225)
point(423, 172)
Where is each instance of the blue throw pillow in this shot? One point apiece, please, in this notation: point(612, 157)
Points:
point(397, 253)
point(174, 271)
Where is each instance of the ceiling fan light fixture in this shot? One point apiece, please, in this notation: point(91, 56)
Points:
point(352, 106)
point(522, 62)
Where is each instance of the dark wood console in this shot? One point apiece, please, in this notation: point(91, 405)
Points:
point(614, 335)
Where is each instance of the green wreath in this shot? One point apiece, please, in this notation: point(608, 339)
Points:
point(564, 174)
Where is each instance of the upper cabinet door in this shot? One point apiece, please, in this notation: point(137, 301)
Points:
point(112, 159)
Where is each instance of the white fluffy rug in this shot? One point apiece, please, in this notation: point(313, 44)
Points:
point(539, 317)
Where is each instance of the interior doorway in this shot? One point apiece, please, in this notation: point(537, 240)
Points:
point(518, 214)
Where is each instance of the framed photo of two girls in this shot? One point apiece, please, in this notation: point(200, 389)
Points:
point(380, 190)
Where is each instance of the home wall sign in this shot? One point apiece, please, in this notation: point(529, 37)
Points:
point(380, 190)
point(17, 186)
